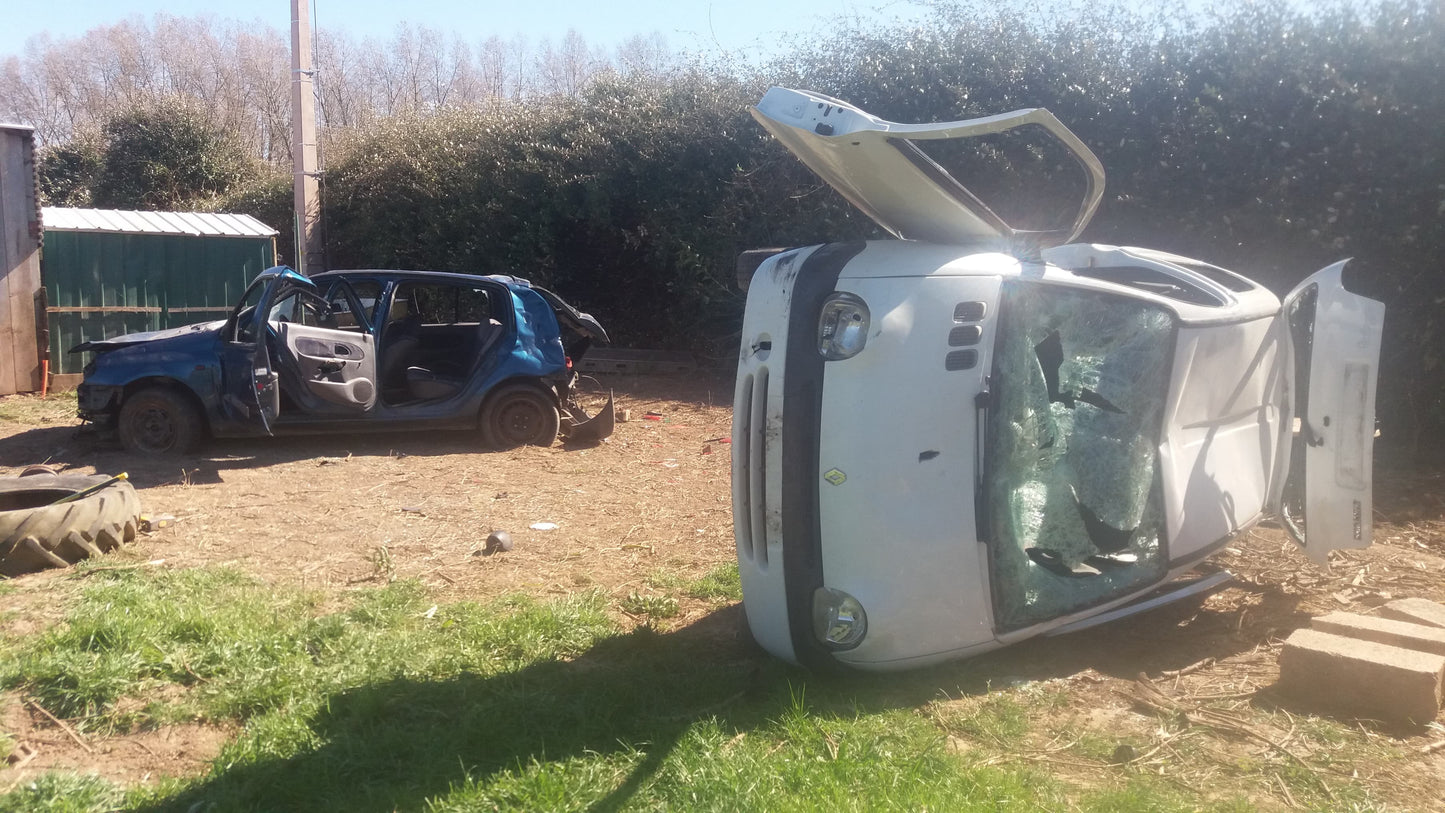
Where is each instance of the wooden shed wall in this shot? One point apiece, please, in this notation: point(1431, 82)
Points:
point(19, 262)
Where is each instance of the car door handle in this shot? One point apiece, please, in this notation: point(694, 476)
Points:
point(342, 350)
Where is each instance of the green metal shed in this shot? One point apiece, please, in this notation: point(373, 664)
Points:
point(108, 273)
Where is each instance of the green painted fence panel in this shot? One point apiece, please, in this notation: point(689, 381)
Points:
point(102, 285)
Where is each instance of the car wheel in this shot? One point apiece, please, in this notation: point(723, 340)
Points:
point(159, 421)
point(519, 415)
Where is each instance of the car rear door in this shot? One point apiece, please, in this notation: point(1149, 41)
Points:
point(1335, 345)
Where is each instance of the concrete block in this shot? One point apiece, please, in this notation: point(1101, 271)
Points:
point(1383, 631)
point(1416, 611)
point(1361, 678)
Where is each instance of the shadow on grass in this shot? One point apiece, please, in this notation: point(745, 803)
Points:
point(396, 744)
point(393, 745)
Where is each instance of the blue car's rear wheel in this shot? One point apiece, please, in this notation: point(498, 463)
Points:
point(519, 415)
point(159, 421)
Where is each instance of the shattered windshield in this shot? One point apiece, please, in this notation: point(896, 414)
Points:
point(1073, 499)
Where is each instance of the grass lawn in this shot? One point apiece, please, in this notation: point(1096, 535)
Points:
point(339, 644)
point(383, 700)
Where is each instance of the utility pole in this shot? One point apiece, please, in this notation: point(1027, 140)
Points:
point(310, 251)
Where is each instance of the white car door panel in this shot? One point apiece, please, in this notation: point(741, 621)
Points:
point(1335, 413)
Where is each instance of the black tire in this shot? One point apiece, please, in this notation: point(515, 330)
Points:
point(35, 535)
point(520, 415)
point(159, 421)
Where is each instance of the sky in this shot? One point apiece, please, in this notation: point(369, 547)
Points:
point(737, 27)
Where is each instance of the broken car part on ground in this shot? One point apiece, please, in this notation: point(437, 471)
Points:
point(353, 351)
point(976, 434)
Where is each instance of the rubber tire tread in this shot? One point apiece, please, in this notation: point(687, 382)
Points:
point(33, 539)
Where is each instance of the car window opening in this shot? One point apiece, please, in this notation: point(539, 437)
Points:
point(435, 334)
point(1228, 279)
point(1151, 280)
point(1074, 497)
point(1030, 180)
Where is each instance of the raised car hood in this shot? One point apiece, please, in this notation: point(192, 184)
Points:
point(150, 336)
point(879, 167)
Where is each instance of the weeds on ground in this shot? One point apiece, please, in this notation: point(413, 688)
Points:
point(63, 793)
point(244, 648)
point(722, 583)
point(651, 607)
point(381, 560)
point(663, 579)
point(53, 408)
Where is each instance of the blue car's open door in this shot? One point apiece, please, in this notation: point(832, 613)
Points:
point(250, 386)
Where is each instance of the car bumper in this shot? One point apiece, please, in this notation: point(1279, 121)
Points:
point(775, 469)
point(97, 403)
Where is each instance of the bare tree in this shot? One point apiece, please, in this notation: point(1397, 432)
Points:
point(565, 69)
point(237, 75)
point(497, 71)
point(646, 54)
point(341, 81)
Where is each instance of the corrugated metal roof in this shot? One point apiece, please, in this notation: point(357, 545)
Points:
point(185, 223)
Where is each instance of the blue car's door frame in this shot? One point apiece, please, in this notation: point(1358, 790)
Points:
point(325, 369)
point(250, 387)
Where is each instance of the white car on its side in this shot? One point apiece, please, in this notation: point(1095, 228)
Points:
point(973, 435)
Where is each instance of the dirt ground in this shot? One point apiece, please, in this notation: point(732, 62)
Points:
point(339, 513)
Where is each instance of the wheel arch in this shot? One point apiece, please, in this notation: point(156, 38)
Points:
point(165, 382)
point(538, 383)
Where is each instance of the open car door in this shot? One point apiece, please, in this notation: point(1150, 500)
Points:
point(884, 168)
point(1335, 341)
point(324, 362)
point(250, 386)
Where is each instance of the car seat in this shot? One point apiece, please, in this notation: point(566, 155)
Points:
point(425, 384)
point(400, 345)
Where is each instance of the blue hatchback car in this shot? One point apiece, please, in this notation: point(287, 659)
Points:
point(347, 351)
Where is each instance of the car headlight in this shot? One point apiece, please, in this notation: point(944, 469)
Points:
point(839, 621)
point(842, 326)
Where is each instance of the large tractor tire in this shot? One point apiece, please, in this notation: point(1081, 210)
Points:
point(34, 534)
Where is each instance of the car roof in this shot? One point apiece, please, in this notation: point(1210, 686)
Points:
point(392, 273)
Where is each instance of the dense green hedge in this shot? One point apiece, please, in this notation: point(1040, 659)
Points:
point(1269, 139)
point(633, 199)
